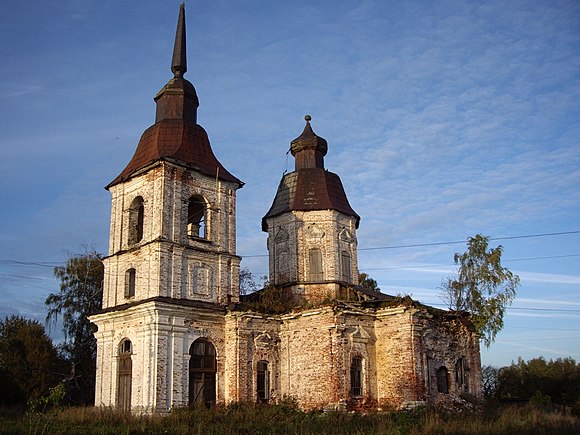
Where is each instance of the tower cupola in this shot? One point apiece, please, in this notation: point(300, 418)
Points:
point(308, 149)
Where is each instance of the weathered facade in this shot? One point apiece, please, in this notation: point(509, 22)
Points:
point(173, 331)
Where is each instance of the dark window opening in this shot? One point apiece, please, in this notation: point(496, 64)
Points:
point(124, 376)
point(202, 373)
point(136, 218)
point(130, 278)
point(356, 377)
point(315, 263)
point(345, 266)
point(196, 217)
point(263, 381)
point(442, 380)
point(461, 375)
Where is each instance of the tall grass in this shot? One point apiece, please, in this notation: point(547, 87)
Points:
point(244, 418)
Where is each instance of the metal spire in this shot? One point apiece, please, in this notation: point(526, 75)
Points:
point(179, 61)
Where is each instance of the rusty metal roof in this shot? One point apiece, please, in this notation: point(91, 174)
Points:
point(310, 186)
point(176, 136)
point(179, 141)
point(307, 190)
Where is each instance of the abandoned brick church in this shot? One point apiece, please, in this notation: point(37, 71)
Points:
point(173, 331)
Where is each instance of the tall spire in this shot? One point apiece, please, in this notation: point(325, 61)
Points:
point(178, 99)
point(179, 61)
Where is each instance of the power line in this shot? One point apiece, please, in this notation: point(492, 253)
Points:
point(426, 266)
point(563, 310)
point(419, 245)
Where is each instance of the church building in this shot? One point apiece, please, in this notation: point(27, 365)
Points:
point(173, 330)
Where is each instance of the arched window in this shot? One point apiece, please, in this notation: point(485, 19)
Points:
point(130, 278)
point(197, 217)
point(263, 381)
point(315, 264)
point(136, 217)
point(345, 266)
point(442, 380)
point(202, 372)
point(356, 387)
point(124, 375)
point(461, 377)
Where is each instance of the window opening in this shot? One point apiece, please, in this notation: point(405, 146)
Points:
point(461, 377)
point(442, 380)
point(345, 266)
point(196, 217)
point(263, 381)
point(315, 262)
point(130, 278)
point(202, 373)
point(136, 218)
point(124, 376)
point(356, 377)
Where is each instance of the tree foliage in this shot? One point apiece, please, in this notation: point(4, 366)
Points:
point(29, 363)
point(81, 293)
point(481, 286)
point(367, 282)
point(489, 375)
point(248, 283)
point(557, 379)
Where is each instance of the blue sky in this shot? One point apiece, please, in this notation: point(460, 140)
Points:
point(444, 120)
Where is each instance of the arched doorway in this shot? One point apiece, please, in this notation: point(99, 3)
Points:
point(125, 374)
point(202, 372)
point(442, 380)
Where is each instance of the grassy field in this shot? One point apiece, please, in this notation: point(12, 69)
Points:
point(286, 419)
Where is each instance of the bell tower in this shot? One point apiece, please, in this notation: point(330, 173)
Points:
point(172, 249)
point(173, 207)
point(311, 226)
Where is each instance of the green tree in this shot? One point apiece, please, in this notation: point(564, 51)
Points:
point(81, 293)
point(366, 281)
point(489, 376)
point(29, 362)
point(247, 282)
point(481, 286)
point(558, 380)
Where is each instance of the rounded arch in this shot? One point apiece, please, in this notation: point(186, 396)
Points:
point(442, 380)
point(124, 375)
point(136, 220)
point(197, 217)
point(202, 372)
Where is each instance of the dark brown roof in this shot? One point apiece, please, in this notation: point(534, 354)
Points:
point(309, 189)
point(179, 141)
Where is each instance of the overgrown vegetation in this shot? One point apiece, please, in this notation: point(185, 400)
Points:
point(286, 418)
point(540, 381)
point(80, 294)
point(481, 286)
point(29, 363)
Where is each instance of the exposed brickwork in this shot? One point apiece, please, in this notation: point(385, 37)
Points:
point(172, 278)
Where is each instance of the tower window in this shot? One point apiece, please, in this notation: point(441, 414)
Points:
point(263, 381)
point(356, 377)
point(315, 263)
point(345, 266)
point(197, 217)
point(136, 218)
point(130, 278)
